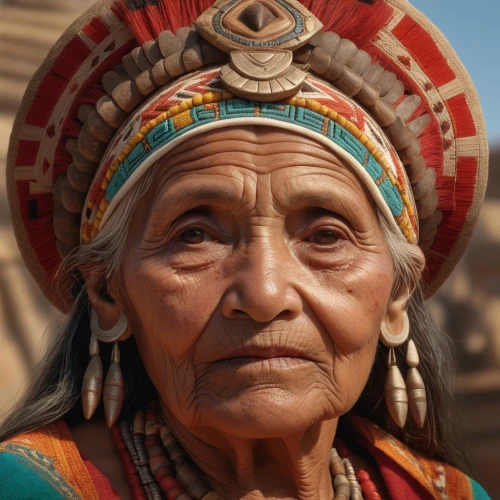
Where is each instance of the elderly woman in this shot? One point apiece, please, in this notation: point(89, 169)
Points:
point(243, 220)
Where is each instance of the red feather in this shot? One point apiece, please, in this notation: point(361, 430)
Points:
point(356, 20)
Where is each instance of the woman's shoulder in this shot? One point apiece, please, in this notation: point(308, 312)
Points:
point(439, 478)
point(403, 467)
point(44, 463)
point(28, 468)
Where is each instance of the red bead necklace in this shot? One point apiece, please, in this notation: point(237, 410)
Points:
point(156, 465)
point(131, 474)
point(368, 487)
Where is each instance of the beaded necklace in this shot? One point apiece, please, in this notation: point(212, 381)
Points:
point(157, 467)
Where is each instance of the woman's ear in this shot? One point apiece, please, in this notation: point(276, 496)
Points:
point(397, 309)
point(395, 313)
point(102, 301)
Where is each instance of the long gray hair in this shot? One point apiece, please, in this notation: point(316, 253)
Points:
point(56, 383)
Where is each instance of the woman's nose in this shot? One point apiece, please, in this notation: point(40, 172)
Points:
point(263, 286)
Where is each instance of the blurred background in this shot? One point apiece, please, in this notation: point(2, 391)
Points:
point(467, 308)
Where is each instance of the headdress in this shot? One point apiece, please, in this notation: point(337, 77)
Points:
point(375, 81)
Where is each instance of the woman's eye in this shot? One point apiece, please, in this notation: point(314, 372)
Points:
point(193, 236)
point(323, 237)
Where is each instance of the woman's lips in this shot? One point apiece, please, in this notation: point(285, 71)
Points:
point(280, 362)
point(269, 356)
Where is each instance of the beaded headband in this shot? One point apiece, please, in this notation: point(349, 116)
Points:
point(93, 91)
point(318, 110)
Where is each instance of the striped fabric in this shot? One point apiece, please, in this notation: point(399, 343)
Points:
point(46, 463)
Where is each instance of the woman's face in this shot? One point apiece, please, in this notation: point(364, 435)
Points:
point(256, 276)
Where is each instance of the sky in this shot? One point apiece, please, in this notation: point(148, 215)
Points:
point(473, 29)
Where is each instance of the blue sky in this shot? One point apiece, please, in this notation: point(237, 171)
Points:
point(473, 29)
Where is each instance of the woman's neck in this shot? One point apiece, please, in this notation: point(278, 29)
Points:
point(291, 467)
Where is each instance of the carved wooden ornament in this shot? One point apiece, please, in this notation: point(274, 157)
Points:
point(260, 36)
point(267, 75)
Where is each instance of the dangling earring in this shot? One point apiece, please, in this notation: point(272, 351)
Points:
point(92, 380)
point(396, 397)
point(113, 389)
point(415, 386)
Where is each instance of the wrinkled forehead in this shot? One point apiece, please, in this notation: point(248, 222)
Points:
point(224, 162)
point(250, 171)
point(262, 148)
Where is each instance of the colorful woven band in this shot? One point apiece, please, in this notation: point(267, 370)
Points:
point(331, 117)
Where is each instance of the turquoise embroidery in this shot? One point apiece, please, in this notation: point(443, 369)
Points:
point(28, 474)
point(239, 108)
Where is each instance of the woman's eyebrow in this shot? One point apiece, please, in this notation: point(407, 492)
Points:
point(205, 193)
point(310, 198)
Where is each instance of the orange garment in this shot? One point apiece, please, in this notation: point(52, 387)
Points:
point(408, 474)
point(48, 458)
point(46, 464)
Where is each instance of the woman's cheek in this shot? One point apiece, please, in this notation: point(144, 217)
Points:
point(356, 304)
point(351, 331)
point(174, 307)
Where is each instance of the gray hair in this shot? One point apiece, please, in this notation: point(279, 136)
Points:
point(440, 438)
point(55, 388)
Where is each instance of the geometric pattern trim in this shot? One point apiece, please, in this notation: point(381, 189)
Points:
point(456, 144)
point(318, 103)
point(216, 107)
point(42, 467)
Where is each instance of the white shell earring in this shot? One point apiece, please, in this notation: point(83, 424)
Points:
point(390, 340)
point(396, 397)
point(113, 389)
point(398, 394)
point(415, 386)
point(92, 380)
point(108, 335)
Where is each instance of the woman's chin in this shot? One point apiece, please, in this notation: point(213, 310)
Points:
point(266, 412)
